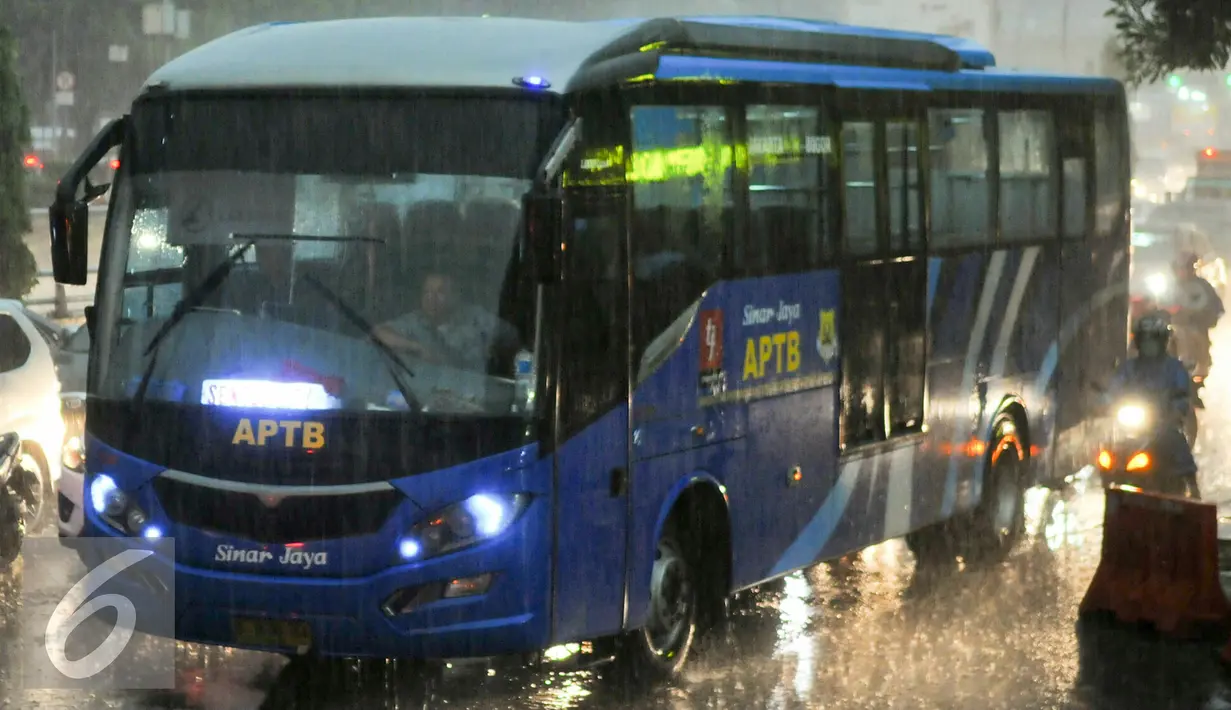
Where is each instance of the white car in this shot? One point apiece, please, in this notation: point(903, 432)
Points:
point(30, 405)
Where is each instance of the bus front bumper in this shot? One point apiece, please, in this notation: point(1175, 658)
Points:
point(400, 612)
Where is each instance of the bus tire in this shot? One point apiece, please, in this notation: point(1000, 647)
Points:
point(659, 649)
point(994, 527)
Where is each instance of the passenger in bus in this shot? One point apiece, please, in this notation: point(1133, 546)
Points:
point(445, 330)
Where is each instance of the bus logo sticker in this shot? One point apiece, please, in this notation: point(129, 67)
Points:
point(713, 379)
point(291, 433)
point(291, 556)
point(827, 336)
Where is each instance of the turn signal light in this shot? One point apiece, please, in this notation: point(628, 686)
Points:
point(1139, 462)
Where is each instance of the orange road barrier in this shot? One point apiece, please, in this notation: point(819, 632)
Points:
point(1159, 564)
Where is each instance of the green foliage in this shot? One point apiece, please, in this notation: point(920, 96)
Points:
point(1160, 36)
point(18, 270)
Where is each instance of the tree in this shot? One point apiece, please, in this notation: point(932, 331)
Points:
point(18, 270)
point(1160, 36)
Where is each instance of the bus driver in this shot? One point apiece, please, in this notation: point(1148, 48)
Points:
point(444, 330)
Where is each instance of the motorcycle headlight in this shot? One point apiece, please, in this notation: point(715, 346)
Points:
point(480, 517)
point(1157, 283)
point(1131, 416)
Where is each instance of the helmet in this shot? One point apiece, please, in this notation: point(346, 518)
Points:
point(1155, 325)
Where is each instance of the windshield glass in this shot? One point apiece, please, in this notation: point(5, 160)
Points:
point(357, 218)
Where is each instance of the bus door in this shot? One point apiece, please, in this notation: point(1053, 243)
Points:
point(1081, 282)
point(590, 308)
point(884, 314)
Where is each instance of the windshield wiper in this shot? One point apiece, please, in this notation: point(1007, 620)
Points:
point(278, 237)
point(187, 305)
point(393, 363)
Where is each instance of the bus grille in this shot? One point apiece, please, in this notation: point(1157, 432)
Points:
point(294, 519)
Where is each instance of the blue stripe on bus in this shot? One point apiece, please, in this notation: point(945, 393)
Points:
point(983, 316)
point(807, 547)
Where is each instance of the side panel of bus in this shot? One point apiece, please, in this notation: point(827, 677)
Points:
point(835, 293)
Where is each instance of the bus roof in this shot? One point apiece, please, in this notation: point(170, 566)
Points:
point(485, 52)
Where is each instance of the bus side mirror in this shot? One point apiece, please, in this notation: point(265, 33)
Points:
point(69, 215)
point(70, 241)
point(543, 221)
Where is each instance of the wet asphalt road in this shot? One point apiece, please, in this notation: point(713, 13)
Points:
point(870, 631)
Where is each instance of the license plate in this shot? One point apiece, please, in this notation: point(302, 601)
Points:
point(271, 632)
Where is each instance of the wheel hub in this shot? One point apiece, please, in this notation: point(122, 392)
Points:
point(671, 599)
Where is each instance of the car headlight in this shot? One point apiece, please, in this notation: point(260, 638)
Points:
point(1157, 283)
point(119, 511)
point(72, 455)
point(478, 518)
point(1131, 416)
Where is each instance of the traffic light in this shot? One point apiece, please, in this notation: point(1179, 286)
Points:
point(1175, 82)
point(1228, 80)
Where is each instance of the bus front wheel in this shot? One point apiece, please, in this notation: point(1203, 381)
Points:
point(659, 649)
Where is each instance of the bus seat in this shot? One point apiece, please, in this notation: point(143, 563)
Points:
point(491, 233)
point(430, 239)
point(363, 275)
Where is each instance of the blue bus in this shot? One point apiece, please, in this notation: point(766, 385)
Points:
point(464, 337)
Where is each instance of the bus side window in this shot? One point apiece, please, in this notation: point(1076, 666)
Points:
point(1075, 145)
point(1110, 172)
point(683, 212)
point(859, 178)
point(902, 161)
point(1029, 180)
point(960, 193)
point(788, 166)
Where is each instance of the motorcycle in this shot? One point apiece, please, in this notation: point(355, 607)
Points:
point(12, 518)
point(1129, 459)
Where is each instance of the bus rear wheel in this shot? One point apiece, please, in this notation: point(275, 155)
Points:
point(990, 531)
point(999, 521)
point(659, 650)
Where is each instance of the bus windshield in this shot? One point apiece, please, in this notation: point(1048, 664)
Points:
point(348, 220)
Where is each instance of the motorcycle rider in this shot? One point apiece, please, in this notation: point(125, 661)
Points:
point(1199, 311)
point(1165, 381)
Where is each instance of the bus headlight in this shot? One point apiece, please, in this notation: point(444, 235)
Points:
point(118, 510)
point(106, 497)
point(479, 517)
